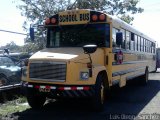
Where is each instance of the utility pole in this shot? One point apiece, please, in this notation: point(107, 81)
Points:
point(12, 32)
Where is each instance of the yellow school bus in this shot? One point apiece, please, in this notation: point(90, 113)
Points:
point(87, 52)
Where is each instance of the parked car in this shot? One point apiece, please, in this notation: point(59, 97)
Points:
point(10, 72)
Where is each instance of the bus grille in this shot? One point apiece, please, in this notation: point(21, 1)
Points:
point(49, 71)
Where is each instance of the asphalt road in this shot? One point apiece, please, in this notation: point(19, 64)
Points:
point(142, 102)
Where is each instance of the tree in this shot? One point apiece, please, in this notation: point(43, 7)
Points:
point(30, 47)
point(37, 10)
point(121, 8)
point(12, 47)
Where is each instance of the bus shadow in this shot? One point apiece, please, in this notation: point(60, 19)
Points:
point(129, 100)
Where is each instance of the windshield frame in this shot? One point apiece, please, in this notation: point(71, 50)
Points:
point(106, 39)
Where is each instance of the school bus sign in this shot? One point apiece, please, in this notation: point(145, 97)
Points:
point(74, 17)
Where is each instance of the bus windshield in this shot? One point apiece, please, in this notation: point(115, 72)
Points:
point(78, 35)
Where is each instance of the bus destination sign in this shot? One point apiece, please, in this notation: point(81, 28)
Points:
point(74, 17)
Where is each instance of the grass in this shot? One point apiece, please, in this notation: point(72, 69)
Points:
point(13, 106)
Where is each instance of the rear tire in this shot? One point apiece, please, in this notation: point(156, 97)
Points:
point(144, 78)
point(35, 99)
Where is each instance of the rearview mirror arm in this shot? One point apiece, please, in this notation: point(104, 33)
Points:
point(90, 58)
point(90, 69)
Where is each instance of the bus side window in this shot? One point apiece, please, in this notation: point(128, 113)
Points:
point(154, 49)
point(114, 31)
point(142, 44)
point(150, 47)
point(139, 44)
point(132, 42)
point(147, 46)
point(128, 36)
point(136, 42)
point(145, 41)
point(124, 38)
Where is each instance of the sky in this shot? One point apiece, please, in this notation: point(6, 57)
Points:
point(147, 22)
point(11, 20)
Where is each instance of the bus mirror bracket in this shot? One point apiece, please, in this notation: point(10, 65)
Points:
point(89, 49)
point(119, 38)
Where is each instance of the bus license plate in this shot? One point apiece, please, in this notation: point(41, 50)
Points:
point(44, 90)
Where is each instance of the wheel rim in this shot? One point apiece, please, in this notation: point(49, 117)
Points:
point(102, 93)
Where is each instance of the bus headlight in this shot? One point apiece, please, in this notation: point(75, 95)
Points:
point(84, 75)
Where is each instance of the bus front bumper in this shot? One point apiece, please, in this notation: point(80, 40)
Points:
point(55, 91)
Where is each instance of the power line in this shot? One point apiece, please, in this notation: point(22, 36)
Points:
point(12, 32)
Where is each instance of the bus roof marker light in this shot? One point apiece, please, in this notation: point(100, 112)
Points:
point(94, 17)
point(102, 17)
point(47, 21)
point(53, 20)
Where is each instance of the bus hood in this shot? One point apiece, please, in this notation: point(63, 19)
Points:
point(62, 54)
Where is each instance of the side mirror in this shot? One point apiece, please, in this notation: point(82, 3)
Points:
point(119, 38)
point(88, 49)
point(31, 33)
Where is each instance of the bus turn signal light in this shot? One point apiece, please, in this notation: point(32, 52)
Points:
point(53, 20)
point(47, 21)
point(102, 17)
point(94, 17)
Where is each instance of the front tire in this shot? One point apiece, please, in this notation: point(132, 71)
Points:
point(99, 95)
point(35, 99)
